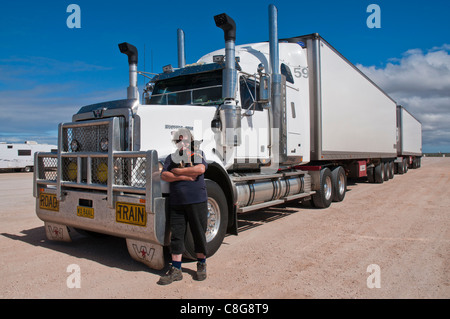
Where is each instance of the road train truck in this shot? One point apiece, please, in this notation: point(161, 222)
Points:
point(283, 120)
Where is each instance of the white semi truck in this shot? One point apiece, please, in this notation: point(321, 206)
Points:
point(283, 120)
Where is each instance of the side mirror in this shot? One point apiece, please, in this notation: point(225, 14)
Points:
point(149, 87)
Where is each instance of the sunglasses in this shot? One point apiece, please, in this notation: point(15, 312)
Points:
point(182, 140)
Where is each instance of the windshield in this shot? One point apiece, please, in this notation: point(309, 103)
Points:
point(194, 89)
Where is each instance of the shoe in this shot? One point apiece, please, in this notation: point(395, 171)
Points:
point(173, 274)
point(201, 271)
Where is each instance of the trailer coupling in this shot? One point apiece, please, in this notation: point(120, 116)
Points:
point(110, 192)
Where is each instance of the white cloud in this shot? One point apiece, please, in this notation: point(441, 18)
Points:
point(420, 81)
point(37, 93)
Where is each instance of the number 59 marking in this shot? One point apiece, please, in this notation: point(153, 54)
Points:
point(301, 72)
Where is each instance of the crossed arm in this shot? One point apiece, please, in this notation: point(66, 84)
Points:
point(183, 174)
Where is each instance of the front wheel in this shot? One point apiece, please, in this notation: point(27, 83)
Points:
point(217, 221)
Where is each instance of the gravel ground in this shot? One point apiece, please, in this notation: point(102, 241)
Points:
point(389, 240)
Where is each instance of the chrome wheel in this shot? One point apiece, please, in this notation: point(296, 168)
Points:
point(341, 184)
point(213, 224)
point(327, 187)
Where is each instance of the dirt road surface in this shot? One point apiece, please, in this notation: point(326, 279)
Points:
point(395, 236)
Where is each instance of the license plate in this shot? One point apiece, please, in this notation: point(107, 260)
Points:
point(87, 212)
point(48, 201)
point(133, 214)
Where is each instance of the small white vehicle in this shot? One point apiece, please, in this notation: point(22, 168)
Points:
point(16, 156)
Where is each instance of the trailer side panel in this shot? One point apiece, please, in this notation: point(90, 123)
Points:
point(410, 134)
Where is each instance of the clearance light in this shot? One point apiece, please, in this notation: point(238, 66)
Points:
point(168, 69)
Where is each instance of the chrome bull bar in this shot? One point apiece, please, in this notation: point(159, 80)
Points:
point(145, 244)
point(90, 168)
point(127, 172)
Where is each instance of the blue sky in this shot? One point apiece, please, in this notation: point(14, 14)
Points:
point(48, 71)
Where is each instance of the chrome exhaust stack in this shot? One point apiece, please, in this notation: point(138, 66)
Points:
point(132, 53)
point(275, 66)
point(228, 26)
point(278, 137)
point(181, 52)
point(228, 113)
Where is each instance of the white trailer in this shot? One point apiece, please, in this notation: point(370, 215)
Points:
point(16, 156)
point(351, 117)
point(279, 121)
point(409, 141)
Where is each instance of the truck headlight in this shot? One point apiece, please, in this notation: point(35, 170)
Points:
point(104, 144)
point(75, 145)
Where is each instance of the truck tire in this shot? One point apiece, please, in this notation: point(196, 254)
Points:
point(217, 221)
point(339, 181)
point(405, 165)
point(391, 170)
point(370, 176)
point(324, 195)
point(400, 169)
point(386, 171)
point(379, 173)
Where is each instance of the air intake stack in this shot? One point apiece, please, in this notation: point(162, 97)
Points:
point(132, 53)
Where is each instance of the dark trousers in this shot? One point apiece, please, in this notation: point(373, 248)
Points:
point(194, 215)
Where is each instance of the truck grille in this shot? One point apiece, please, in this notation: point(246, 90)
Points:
point(130, 171)
point(87, 137)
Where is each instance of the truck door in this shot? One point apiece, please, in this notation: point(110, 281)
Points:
point(297, 113)
point(254, 124)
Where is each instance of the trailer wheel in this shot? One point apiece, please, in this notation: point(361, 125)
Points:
point(386, 171)
point(391, 170)
point(370, 174)
point(324, 195)
point(379, 173)
point(400, 169)
point(405, 165)
point(339, 180)
point(217, 221)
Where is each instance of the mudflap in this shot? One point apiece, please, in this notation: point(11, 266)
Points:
point(150, 254)
point(57, 232)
